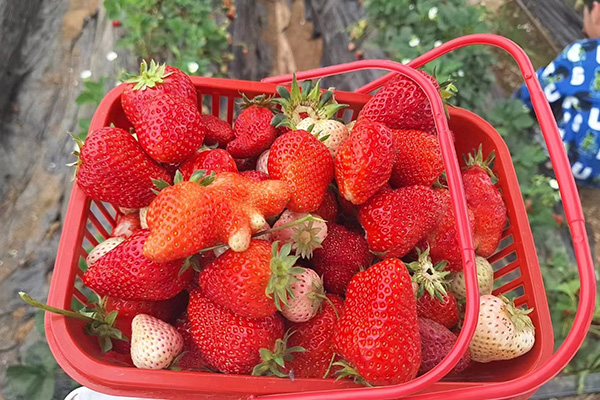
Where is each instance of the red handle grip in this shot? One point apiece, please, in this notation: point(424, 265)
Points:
point(573, 212)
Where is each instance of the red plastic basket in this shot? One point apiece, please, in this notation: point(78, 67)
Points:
point(517, 270)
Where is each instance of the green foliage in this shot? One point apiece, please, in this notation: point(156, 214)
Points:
point(180, 32)
point(91, 94)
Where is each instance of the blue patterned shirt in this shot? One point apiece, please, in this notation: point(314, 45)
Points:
point(571, 84)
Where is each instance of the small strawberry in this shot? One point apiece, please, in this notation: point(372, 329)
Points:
point(395, 221)
point(127, 225)
point(263, 162)
point(503, 331)
point(342, 255)
point(364, 161)
point(485, 200)
point(304, 237)
point(169, 129)
point(306, 294)
point(218, 132)
point(302, 161)
point(378, 331)
point(231, 343)
point(485, 278)
point(217, 161)
point(152, 80)
point(255, 175)
point(418, 158)
point(436, 343)
point(102, 248)
point(192, 357)
point(126, 273)
point(253, 131)
point(328, 209)
point(154, 343)
point(112, 167)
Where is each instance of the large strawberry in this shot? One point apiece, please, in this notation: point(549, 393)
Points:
point(231, 343)
point(218, 132)
point(343, 254)
point(328, 209)
point(152, 80)
point(402, 104)
point(112, 167)
point(302, 161)
point(169, 129)
point(364, 161)
point(126, 273)
point(217, 160)
point(253, 131)
point(485, 200)
point(418, 158)
point(396, 220)
point(378, 334)
point(436, 343)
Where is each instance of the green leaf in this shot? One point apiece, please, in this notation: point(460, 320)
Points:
point(24, 382)
point(39, 354)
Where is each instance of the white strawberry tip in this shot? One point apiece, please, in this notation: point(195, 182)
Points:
point(257, 222)
point(143, 220)
point(102, 249)
point(239, 241)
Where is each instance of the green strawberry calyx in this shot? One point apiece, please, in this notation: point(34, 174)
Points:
point(429, 277)
point(273, 361)
point(200, 177)
point(149, 77)
point(304, 99)
point(99, 323)
point(475, 159)
point(259, 101)
point(519, 317)
point(348, 371)
point(283, 269)
point(305, 239)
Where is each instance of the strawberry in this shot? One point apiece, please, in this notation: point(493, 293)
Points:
point(246, 164)
point(363, 163)
point(154, 343)
point(402, 104)
point(218, 132)
point(152, 80)
point(485, 200)
point(302, 161)
point(418, 158)
point(217, 161)
point(127, 225)
point(485, 279)
point(331, 132)
point(252, 129)
point(304, 237)
point(143, 220)
point(306, 294)
point(230, 343)
point(169, 129)
point(191, 358)
point(436, 343)
point(395, 221)
point(503, 331)
point(112, 167)
point(328, 209)
point(378, 331)
point(342, 255)
point(255, 175)
point(263, 161)
point(101, 249)
point(126, 273)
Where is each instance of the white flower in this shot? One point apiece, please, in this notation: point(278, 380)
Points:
point(406, 60)
point(85, 74)
point(461, 73)
point(193, 67)
point(411, 7)
point(111, 56)
point(437, 43)
point(553, 184)
point(433, 12)
point(414, 41)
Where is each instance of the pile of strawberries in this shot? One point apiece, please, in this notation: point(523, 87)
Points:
point(290, 244)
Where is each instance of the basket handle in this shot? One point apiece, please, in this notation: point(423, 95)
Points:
point(573, 213)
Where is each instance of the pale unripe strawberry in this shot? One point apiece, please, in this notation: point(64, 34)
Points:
point(127, 225)
point(485, 278)
point(331, 132)
point(503, 331)
point(308, 294)
point(102, 248)
point(143, 221)
point(304, 237)
point(261, 163)
point(154, 343)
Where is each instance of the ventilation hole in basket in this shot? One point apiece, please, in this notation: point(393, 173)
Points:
point(87, 245)
point(82, 264)
point(101, 220)
point(515, 293)
point(507, 274)
point(346, 115)
point(521, 302)
point(82, 293)
point(207, 104)
point(223, 107)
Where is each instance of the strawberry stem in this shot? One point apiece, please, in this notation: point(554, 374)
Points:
point(32, 302)
point(330, 362)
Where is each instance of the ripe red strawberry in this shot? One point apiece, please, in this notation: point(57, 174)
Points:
point(127, 225)
point(192, 357)
point(256, 175)
point(217, 160)
point(402, 104)
point(253, 131)
point(342, 255)
point(436, 343)
point(395, 221)
point(364, 161)
point(484, 199)
point(378, 331)
point(418, 158)
point(302, 161)
point(102, 248)
point(154, 343)
point(217, 131)
point(246, 164)
point(169, 129)
point(230, 343)
point(126, 273)
point(328, 209)
point(152, 80)
point(316, 337)
point(112, 167)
